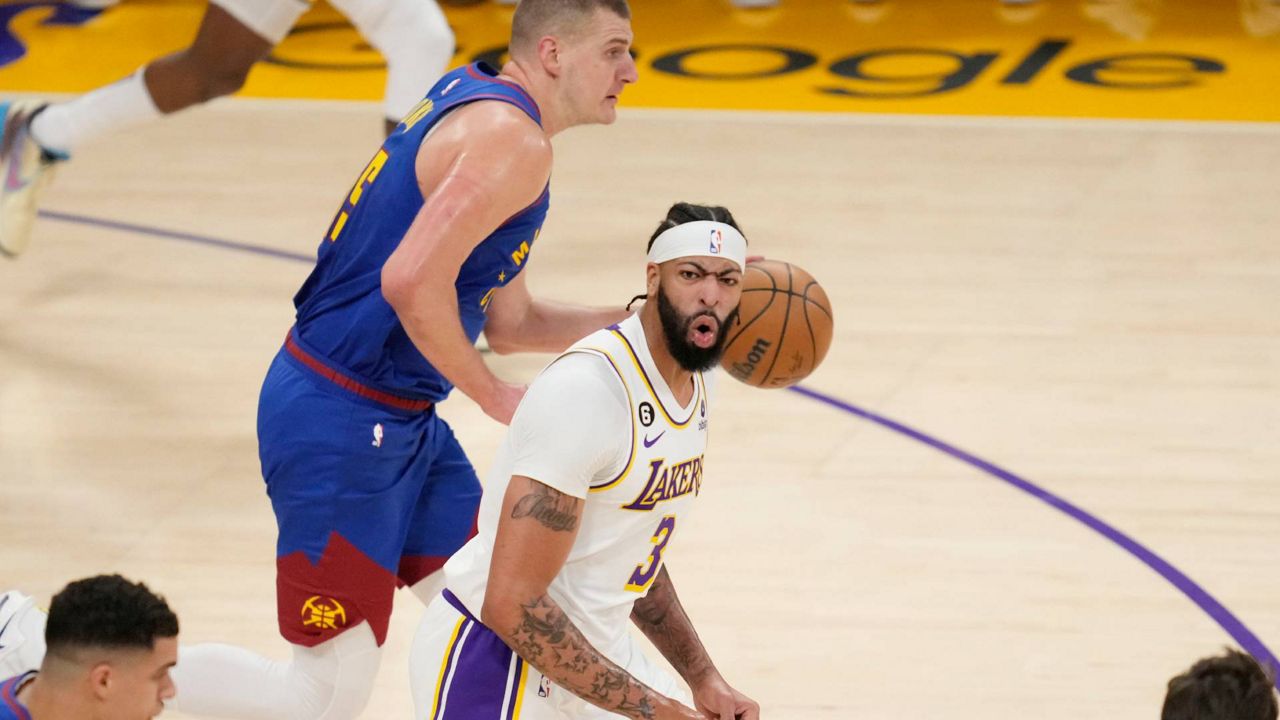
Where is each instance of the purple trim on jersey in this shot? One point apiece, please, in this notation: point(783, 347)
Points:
point(516, 687)
point(457, 604)
point(11, 707)
point(654, 388)
point(631, 448)
point(546, 192)
point(453, 652)
point(530, 105)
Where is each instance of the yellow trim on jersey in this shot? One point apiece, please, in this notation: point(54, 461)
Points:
point(524, 676)
point(444, 666)
point(654, 393)
point(631, 458)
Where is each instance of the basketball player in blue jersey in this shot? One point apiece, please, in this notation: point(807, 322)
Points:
point(111, 644)
point(35, 137)
point(369, 486)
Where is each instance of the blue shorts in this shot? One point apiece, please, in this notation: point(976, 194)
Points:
point(369, 491)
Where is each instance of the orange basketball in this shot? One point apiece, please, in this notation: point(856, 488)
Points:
point(783, 328)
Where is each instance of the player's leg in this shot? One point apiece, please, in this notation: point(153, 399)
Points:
point(343, 476)
point(460, 670)
point(444, 518)
point(414, 38)
point(34, 137)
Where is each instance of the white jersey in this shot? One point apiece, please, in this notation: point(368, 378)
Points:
point(599, 423)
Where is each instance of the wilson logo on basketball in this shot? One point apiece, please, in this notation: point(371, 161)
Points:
point(758, 352)
point(323, 613)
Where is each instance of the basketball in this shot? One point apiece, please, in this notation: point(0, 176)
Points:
point(783, 328)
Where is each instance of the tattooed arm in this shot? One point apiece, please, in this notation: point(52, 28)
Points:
point(536, 531)
point(662, 619)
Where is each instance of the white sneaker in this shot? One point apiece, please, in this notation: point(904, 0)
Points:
point(25, 170)
point(21, 634)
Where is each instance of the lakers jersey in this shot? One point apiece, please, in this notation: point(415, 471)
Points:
point(599, 423)
point(342, 317)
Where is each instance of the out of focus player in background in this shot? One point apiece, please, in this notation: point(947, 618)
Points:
point(413, 36)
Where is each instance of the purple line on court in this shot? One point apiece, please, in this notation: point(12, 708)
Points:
point(1221, 615)
point(1229, 622)
point(175, 235)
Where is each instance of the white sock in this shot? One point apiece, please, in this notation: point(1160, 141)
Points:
point(64, 126)
point(331, 681)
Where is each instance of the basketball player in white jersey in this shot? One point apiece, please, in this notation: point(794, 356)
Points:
point(595, 479)
point(413, 36)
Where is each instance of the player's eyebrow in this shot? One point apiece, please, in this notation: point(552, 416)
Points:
point(704, 271)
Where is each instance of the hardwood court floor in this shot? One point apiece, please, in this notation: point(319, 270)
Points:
point(1090, 306)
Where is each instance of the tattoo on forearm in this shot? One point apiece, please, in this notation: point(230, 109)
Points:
point(663, 620)
point(552, 508)
point(549, 641)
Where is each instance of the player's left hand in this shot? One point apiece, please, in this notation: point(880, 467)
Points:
point(715, 699)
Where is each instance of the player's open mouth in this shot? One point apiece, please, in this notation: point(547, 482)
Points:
point(703, 331)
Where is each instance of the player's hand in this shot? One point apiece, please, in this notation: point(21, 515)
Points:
point(754, 258)
point(502, 402)
point(716, 700)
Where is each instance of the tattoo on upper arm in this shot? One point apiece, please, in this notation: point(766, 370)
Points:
point(554, 509)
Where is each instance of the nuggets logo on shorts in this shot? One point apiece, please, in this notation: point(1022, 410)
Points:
point(324, 613)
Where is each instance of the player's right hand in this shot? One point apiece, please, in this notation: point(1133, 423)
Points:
point(501, 405)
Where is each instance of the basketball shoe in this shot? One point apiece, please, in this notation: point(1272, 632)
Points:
point(25, 170)
point(21, 634)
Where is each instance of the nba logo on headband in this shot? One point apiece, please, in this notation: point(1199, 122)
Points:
point(717, 241)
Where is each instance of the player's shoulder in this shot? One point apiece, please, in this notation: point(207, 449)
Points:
point(490, 122)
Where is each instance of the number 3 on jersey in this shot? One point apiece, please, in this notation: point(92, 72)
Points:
point(646, 571)
point(366, 179)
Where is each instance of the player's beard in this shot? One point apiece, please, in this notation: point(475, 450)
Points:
point(676, 329)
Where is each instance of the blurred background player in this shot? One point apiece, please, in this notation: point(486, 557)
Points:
point(413, 36)
point(596, 476)
point(110, 644)
point(1232, 686)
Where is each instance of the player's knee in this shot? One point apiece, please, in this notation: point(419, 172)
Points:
point(336, 678)
point(215, 75)
point(225, 79)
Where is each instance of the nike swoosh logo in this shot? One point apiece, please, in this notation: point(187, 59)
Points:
point(650, 443)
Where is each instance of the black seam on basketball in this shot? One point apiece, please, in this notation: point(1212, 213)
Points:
point(816, 304)
point(782, 332)
point(813, 339)
point(747, 323)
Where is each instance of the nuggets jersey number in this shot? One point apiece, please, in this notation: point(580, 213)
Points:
point(634, 512)
point(342, 316)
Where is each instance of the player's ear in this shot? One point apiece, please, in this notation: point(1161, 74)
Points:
point(100, 680)
point(549, 55)
point(652, 275)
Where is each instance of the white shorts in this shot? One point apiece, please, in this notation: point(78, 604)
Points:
point(468, 673)
point(270, 19)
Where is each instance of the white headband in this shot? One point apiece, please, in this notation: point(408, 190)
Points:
point(700, 238)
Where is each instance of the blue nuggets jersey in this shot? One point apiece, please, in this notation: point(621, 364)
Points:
point(342, 316)
point(10, 708)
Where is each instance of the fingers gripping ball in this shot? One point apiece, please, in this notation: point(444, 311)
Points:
point(783, 328)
